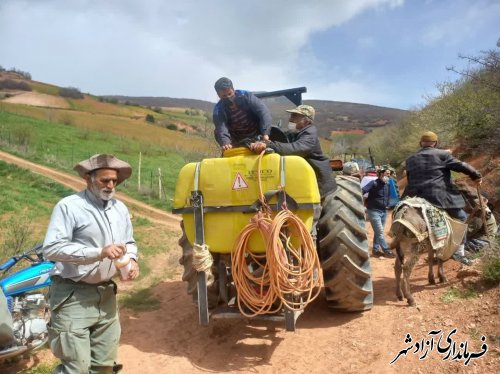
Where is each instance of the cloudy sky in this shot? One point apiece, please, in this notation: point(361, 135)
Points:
point(382, 52)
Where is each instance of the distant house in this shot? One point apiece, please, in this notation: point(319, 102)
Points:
point(342, 118)
point(347, 131)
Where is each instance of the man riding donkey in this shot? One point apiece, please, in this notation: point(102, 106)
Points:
point(429, 177)
point(419, 222)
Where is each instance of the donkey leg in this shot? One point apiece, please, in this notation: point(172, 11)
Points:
point(407, 269)
point(430, 260)
point(398, 268)
point(442, 276)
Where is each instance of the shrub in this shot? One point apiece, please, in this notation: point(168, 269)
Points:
point(21, 135)
point(150, 118)
point(491, 269)
point(71, 92)
point(172, 126)
point(18, 236)
point(10, 84)
point(22, 74)
point(67, 119)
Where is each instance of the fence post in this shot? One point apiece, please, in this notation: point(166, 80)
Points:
point(159, 183)
point(139, 173)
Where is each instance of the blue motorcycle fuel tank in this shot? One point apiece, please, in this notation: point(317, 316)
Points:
point(36, 276)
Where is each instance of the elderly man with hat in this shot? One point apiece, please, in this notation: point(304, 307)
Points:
point(429, 177)
point(303, 141)
point(87, 233)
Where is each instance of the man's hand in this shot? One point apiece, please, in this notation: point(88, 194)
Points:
point(113, 251)
point(265, 137)
point(225, 147)
point(258, 147)
point(134, 270)
point(478, 182)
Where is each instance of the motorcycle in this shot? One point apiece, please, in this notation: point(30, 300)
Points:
point(26, 294)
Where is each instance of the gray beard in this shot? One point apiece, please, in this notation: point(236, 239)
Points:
point(102, 194)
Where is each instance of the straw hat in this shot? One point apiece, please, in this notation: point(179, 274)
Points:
point(104, 161)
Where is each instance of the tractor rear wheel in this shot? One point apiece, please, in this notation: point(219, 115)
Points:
point(190, 275)
point(343, 248)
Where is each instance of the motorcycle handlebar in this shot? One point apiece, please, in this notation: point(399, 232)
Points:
point(27, 255)
point(8, 264)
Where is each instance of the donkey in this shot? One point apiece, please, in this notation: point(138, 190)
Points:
point(411, 239)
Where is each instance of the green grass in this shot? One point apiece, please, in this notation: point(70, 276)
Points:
point(141, 221)
point(455, 293)
point(45, 368)
point(141, 300)
point(44, 88)
point(35, 191)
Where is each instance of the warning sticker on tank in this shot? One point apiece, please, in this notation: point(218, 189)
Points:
point(239, 183)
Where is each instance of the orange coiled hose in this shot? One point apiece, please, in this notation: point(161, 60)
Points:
point(287, 274)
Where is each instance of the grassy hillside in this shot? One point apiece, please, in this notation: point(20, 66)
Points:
point(62, 146)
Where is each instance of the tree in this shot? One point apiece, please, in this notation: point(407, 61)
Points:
point(71, 92)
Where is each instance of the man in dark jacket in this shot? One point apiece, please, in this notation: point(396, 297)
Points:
point(238, 115)
point(429, 177)
point(304, 142)
point(376, 208)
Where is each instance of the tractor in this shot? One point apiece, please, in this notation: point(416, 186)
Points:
point(220, 197)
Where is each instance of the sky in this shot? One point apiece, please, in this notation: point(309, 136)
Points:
point(389, 53)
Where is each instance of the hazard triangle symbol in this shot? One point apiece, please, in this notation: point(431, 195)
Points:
point(239, 183)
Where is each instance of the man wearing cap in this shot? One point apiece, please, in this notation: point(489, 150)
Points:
point(429, 177)
point(304, 141)
point(238, 115)
point(377, 202)
point(87, 232)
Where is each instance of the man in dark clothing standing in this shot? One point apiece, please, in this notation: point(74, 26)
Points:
point(376, 204)
point(304, 142)
point(238, 115)
point(429, 177)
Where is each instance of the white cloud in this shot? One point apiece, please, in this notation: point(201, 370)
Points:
point(353, 91)
point(465, 23)
point(174, 48)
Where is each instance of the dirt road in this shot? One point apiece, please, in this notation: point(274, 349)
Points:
point(169, 339)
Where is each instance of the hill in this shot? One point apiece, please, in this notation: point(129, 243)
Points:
point(331, 116)
point(166, 102)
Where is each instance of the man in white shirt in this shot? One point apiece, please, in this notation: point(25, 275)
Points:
point(87, 232)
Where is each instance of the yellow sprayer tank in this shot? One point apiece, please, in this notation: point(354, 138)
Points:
point(230, 189)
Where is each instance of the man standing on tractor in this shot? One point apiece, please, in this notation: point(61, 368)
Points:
point(304, 141)
point(238, 115)
point(429, 177)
